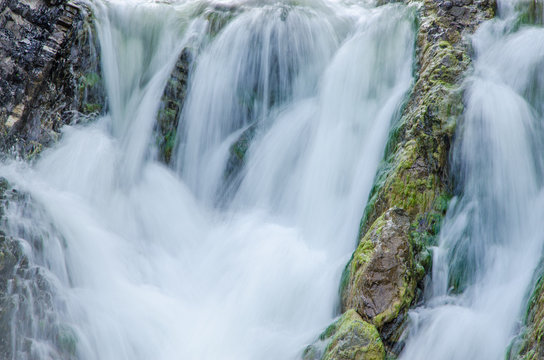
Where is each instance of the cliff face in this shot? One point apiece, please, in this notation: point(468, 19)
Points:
point(49, 74)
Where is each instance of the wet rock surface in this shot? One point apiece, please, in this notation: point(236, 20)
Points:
point(11, 261)
point(172, 102)
point(49, 52)
point(381, 278)
point(29, 304)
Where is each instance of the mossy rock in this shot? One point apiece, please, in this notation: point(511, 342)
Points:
point(380, 280)
point(172, 102)
point(348, 338)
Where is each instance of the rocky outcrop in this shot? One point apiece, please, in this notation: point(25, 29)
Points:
point(349, 337)
point(413, 185)
point(49, 72)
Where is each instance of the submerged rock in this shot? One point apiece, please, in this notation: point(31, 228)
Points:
point(11, 261)
point(349, 337)
point(237, 155)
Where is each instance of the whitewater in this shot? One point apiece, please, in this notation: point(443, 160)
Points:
point(139, 260)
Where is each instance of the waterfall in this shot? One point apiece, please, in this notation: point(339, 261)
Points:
point(491, 241)
point(146, 261)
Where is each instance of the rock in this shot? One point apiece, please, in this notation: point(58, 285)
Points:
point(380, 280)
point(29, 305)
point(172, 102)
point(173, 98)
point(52, 74)
point(237, 154)
point(220, 15)
point(348, 338)
point(529, 345)
point(11, 260)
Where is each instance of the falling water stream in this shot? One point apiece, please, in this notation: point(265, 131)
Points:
point(491, 241)
point(145, 261)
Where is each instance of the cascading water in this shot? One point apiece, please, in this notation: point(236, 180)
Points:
point(145, 262)
point(491, 241)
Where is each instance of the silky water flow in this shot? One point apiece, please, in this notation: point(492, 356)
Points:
point(132, 259)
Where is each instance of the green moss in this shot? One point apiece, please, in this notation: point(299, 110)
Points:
point(529, 345)
point(89, 80)
point(364, 251)
point(348, 338)
point(89, 108)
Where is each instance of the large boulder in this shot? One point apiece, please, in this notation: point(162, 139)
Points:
point(380, 280)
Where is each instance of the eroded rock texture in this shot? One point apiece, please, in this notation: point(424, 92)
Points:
point(49, 72)
point(380, 280)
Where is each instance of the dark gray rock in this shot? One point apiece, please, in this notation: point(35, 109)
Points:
point(51, 73)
